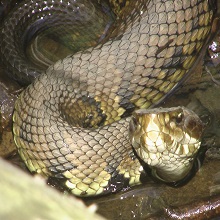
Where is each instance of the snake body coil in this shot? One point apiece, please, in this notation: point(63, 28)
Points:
point(72, 123)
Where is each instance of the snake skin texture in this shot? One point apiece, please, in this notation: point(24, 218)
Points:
point(38, 18)
point(162, 136)
point(72, 122)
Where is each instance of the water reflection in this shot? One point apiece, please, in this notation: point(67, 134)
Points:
point(138, 203)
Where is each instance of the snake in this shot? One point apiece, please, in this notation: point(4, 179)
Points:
point(91, 120)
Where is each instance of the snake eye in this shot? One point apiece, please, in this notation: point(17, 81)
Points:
point(179, 118)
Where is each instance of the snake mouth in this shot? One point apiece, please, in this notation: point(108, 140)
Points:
point(167, 139)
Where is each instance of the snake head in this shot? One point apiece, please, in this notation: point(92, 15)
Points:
point(167, 139)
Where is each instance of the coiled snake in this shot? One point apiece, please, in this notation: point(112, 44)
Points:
point(72, 122)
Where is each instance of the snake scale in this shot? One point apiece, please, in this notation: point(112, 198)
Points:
point(72, 122)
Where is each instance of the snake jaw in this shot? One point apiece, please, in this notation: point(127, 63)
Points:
point(167, 140)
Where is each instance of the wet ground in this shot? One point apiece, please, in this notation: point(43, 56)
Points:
point(142, 201)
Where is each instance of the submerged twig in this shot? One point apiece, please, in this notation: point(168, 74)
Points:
point(202, 210)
